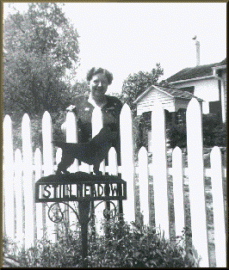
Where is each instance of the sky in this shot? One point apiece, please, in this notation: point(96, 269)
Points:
point(126, 38)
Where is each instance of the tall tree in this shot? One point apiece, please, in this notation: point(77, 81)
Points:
point(40, 47)
point(137, 83)
point(132, 87)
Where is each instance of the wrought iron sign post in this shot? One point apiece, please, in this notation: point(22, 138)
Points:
point(84, 188)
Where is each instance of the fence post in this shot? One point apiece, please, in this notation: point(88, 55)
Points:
point(144, 184)
point(48, 165)
point(38, 174)
point(196, 180)
point(218, 207)
point(8, 177)
point(18, 197)
point(127, 161)
point(28, 187)
point(178, 190)
point(160, 168)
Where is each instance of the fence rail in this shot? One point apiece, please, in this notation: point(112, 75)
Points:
point(28, 221)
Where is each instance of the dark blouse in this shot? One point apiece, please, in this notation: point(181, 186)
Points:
point(110, 111)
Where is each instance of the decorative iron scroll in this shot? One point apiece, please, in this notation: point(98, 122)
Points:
point(56, 214)
point(79, 186)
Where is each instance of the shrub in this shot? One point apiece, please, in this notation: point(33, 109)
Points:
point(139, 246)
point(125, 245)
point(214, 133)
point(220, 135)
point(177, 136)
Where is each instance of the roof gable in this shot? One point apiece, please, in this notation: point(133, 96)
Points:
point(195, 72)
point(171, 91)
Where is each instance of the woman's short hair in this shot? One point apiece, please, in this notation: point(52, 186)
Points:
point(93, 71)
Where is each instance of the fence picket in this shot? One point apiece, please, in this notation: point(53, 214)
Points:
point(8, 177)
point(196, 180)
point(112, 162)
point(18, 179)
point(28, 186)
point(144, 184)
point(160, 168)
point(97, 124)
point(218, 207)
point(178, 190)
point(113, 166)
point(71, 137)
point(48, 167)
point(18, 197)
point(38, 175)
point(127, 161)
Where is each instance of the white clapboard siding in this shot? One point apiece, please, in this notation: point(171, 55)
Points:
point(144, 184)
point(160, 168)
point(8, 177)
point(147, 103)
point(218, 207)
point(48, 167)
point(28, 186)
point(18, 197)
point(196, 180)
point(38, 175)
point(127, 159)
point(178, 191)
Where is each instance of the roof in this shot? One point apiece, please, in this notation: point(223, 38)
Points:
point(168, 90)
point(195, 72)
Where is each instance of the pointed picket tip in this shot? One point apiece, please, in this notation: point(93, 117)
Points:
point(177, 151)
point(193, 106)
point(142, 153)
point(46, 127)
point(7, 130)
point(46, 115)
point(25, 118)
point(126, 108)
point(37, 152)
point(216, 151)
point(7, 121)
point(125, 119)
point(112, 153)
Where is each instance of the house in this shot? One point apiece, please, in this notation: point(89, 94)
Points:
point(174, 101)
point(208, 82)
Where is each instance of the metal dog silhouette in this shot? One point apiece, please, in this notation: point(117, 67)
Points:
point(92, 153)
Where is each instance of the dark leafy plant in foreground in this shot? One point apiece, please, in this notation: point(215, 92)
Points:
point(138, 246)
point(124, 245)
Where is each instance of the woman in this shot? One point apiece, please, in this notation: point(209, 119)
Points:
point(98, 80)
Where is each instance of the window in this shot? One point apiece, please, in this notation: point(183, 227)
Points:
point(215, 107)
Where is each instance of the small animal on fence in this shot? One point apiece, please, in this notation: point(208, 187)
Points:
point(92, 152)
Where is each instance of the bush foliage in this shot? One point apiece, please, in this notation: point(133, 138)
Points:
point(123, 246)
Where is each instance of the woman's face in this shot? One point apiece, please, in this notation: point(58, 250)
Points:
point(98, 86)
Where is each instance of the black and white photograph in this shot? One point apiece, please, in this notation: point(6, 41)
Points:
point(114, 134)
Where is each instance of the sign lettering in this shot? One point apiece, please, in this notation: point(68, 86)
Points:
point(54, 192)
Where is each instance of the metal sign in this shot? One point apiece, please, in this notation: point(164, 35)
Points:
point(79, 187)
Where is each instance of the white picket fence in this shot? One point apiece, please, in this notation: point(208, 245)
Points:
point(24, 221)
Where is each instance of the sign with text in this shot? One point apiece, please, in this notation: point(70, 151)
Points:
point(79, 187)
